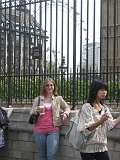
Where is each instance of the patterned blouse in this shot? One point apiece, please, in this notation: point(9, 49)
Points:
point(97, 141)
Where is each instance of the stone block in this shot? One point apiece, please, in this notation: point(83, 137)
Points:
point(7, 158)
point(9, 144)
point(12, 135)
point(66, 158)
point(116, 156)
point(110, 144)
point(27, 155)
point(63, 158)
point(63, 141)
point(114, 134)
point(110, 153)
point(14, 154)
point(3, 158)
point(31, 146)
point(35, 155)
point(25, 136)
point(77, 154)
point(63, 130)
point(65, 151)
point(116, 146)
point(58, 152)
point(19, 145)
point(4, 152)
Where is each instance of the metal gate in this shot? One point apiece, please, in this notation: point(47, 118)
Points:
point(62, 39)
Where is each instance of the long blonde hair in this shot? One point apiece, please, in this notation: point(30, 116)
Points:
point(43, 89)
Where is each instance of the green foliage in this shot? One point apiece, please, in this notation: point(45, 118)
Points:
point(27, 88)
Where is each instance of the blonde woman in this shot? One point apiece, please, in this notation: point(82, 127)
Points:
point(46, 130)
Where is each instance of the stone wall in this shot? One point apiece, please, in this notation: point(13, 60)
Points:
point(20, 143)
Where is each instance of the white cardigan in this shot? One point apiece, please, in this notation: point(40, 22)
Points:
point(97, 141)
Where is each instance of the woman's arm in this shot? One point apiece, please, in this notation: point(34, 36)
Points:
point(117, 121)
point(63, 105)
point(35, 104)
point(99, 122)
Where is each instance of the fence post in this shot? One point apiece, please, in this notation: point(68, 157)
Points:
point(9, 57)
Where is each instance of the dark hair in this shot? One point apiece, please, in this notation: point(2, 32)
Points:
point(95, 86)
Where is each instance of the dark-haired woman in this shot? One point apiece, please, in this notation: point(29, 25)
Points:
point(95, 120)
point(46, 130)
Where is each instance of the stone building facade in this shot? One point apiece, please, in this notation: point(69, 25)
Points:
point(110, 36)
point(19, 33)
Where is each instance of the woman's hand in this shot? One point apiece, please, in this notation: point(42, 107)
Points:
point(64, 116)
point(104, 117)
point(39, 110)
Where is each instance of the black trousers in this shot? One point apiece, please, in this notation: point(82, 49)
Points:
point(95, 156)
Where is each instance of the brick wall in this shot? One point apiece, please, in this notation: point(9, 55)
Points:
point(20, 143)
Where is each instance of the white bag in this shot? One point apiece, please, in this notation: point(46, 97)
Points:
point(76, 138)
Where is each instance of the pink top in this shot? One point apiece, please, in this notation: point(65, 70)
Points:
point(45, 122)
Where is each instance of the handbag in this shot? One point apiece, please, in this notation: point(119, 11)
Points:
point(34, 117)
point(76, 138)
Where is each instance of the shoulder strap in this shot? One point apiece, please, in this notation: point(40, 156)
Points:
point(79, 112)
point(81, 109)
point(38, 100)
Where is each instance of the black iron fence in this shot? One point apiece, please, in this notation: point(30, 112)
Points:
point(71, 41)
point(23, 89)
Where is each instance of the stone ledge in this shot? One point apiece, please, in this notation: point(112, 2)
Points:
point(19, 121)
point(114, 134)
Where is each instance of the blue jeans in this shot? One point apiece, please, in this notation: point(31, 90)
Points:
point(47, 145)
